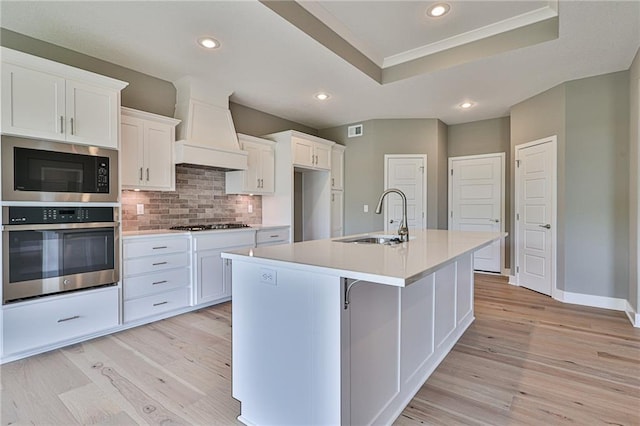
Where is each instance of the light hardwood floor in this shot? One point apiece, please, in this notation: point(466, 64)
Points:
point(526, 359)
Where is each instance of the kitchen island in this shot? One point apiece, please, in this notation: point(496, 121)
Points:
point(328, 332)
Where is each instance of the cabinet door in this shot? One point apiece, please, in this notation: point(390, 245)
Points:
point(337, 169)
point(92, 115)
point(267, 168)
point(323, 156)
point(210, 283)
point(252, 175)
point(158, 159)
point(32, 103)
point(131, 152)
point(303, 154)
point(337, 213)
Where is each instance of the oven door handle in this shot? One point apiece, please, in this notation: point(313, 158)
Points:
point(54, 226)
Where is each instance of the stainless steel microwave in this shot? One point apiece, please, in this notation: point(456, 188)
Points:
point(37, 170)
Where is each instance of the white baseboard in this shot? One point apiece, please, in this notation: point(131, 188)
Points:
point(633, 316)
point(591, 300)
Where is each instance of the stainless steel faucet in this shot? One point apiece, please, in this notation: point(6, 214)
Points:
point(403, 231)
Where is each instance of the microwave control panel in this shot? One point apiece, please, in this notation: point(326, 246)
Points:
point(18, 215)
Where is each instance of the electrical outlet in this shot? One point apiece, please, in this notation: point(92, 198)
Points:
point(268, 276)
point(366, 208)
point(250, 208)
point(139, 208)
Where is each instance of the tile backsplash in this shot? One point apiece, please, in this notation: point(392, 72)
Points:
point(199, 198)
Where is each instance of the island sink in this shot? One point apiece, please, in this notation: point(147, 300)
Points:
point(372, 239)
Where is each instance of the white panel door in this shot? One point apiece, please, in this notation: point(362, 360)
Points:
point(535, 189)
point(476, 202)
point(406, 173)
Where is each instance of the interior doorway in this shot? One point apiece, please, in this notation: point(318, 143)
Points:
point(476, 203)
point(408, 173)
point(535, 215)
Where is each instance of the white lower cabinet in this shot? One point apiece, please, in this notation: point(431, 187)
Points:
point(50, 321)
point(212, 273)
point(157, 276)
point(272, 236)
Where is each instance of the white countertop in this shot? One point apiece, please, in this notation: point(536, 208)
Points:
point(152, 233)
point(398, 265)
point(160, 232)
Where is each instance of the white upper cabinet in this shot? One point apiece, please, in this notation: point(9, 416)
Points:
point(146, 157)
point(311, 153)
point(337, 167)
point(259, 178)
point(47, 100)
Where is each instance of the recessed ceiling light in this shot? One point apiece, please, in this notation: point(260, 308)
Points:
point(322, 96)
point(208, 42)
point(438, 10)
point(466, 105)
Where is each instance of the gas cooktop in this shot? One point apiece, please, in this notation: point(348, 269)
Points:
point(211, 227)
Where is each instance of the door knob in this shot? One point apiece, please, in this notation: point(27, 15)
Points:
point(547, 226)
point(391, 221)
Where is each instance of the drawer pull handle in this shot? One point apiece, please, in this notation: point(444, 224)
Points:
point(159, 263)
point(69, 319)
point(161, 303)
point(159, 247)
point(159, 282)
point(273, 236)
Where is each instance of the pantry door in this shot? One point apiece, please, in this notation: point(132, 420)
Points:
point(408, 174)
point(535, 204)
point(476, 203)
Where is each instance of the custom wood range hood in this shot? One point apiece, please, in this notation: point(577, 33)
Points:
point(206, 134)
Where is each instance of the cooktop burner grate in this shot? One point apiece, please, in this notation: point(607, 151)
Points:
point(211, 227)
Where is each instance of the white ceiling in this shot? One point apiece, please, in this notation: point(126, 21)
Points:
point(272, 66)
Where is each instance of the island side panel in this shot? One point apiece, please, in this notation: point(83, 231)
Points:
point(424, 322)
point(286, 345)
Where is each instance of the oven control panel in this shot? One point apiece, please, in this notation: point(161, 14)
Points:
point(18, 215)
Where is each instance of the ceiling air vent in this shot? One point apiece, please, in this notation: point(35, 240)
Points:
point(353, 131)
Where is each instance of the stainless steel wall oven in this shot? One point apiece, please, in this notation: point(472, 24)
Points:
point(48, 250)
point(35, 170)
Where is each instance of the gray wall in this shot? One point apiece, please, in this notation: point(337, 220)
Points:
point(536, 118)
point(486, 137)
point(364, 167)
point(634, 182)
point(590, 118)
point(597, 186)
point(257, 123)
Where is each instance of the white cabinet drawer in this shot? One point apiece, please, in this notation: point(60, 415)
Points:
point(269, 236)
point(156, 304)
point(145, 285)
point(45, 322)
point(155, 263)
point(216, 240)
point(155, 246)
